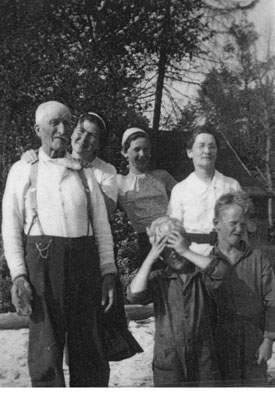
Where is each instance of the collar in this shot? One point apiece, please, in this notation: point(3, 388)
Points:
point(199, 185)
point(66, 162)
point(168, 273)
point(244, 247)
point(43, 156)
point(75, 156)
point(138, 174)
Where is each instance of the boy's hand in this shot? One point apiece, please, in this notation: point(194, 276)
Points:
point(177, 242)
point(265, 350)
point(158, 245)
point(30, 156)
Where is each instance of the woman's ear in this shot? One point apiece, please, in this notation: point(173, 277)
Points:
point(215, 222)
point(189, 153)
point(124, 153)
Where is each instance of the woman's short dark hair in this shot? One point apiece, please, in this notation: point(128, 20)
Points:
point(197, 131)
point(134, 136)
point(96, 119)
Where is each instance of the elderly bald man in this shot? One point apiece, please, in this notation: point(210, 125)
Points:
point(60, 256)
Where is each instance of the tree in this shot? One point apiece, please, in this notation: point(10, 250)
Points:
point(187, 75)
point(50, 50)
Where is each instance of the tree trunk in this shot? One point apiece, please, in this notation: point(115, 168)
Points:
point(158, 102)
point(161, 78)
point(269, 175)
point(159, 89)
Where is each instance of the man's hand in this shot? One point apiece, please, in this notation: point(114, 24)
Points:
point(108, 292)
point(265, 350)
point(21, 294)
point(30, 156)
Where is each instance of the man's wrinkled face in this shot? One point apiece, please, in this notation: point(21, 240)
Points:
point(85, 140)
point(54, 129)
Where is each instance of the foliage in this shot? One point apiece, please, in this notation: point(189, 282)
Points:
point(48, 52)
point(104, 56)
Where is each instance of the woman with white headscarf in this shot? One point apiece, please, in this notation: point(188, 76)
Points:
point(143, 194)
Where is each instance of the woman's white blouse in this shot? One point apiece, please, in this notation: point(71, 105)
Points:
point(192, 202)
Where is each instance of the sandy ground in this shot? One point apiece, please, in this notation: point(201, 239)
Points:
point(133, 372)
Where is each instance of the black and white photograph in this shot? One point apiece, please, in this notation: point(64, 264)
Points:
point(137, 186)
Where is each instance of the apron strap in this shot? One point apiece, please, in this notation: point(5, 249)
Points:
point(84, 182)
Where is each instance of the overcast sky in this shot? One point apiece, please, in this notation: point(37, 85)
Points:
point(263, 17)
point(263, 12)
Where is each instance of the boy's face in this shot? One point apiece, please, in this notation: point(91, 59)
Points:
point(230, 225)
point(174, 260)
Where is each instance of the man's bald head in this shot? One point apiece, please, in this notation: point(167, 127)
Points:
point(47, 108)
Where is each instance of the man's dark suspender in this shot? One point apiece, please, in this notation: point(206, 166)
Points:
point(33, 197)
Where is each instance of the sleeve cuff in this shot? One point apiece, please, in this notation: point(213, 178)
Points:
point(109, 268)
point(18, 272)
point(138, 298)
point(269, 335)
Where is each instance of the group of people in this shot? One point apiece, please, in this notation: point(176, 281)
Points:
point(214, 296)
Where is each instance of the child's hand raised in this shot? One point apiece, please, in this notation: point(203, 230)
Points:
point(177, 242)
point(158, 244)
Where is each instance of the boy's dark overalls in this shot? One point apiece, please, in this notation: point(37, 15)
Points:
point(184, 353)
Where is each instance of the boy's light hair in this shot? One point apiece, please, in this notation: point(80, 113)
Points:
point(239, 198)
point(164, 225)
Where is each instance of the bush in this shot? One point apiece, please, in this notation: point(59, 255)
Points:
point(126, 247)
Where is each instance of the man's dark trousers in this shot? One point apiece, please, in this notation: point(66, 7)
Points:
point(66, 284)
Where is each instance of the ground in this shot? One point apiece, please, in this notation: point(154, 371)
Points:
point(133, 372)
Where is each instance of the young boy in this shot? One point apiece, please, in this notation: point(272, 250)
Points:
point(184, 352)
point(246, 306)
